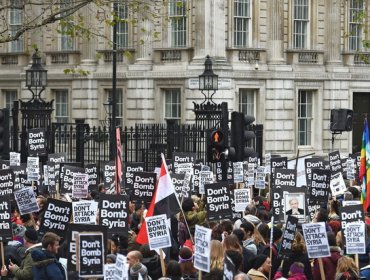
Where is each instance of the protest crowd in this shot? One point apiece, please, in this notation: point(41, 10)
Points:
point(168, 225)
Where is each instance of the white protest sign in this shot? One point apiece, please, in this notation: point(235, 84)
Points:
point(242, 198)
point(316, 240)
point(80, 183)
point(109, 271)
point(268, 163)
point(33, 168)
point(350, 202)
point(26, 201)
point(84, 212)
point(350, 169)
point(250, 174)
point(206, 177)
point(202, 254)
point(238, 172)
point(186, 167)
point(355, 238)
point(337, 184)
point(158, 232)
point(121, 269)
point(15, 159)
point(260, 177)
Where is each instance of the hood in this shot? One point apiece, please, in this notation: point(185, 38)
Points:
point(39, 255)
point(151, 262)
point(298, 276)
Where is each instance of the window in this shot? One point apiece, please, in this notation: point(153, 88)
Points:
point(241, 23)
point(66, 39)
point(304, 117)
point(122, 26)
point(119, 104)
point(177, 25)
point(356, 9)
point(15, 24)
point(61, 106)
point(300, 24)
point(246, 101)
point(172, 104)
point(10, 96)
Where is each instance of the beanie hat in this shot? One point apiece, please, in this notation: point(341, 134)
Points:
point(187, 204)
point(31, 235)
point(18, 230)
point(139, 268)
point(258, 261)
point(296, 268)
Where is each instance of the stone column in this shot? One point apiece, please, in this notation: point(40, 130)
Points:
point(276, 17)
point(332, 28)
point(88, 47)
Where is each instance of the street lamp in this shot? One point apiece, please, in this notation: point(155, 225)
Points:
point(208, 81)
point(108, 110)
point(36, 77)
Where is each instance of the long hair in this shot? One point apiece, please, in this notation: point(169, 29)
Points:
point(347, 264)
point(217, 255)
point(231, 242)
point(298, 244)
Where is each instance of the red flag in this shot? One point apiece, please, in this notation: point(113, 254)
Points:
point(164, 201)
point(118, 162)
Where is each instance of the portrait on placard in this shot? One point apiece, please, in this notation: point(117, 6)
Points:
point(294, 206)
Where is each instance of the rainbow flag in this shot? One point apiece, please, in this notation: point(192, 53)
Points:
point(364, 174)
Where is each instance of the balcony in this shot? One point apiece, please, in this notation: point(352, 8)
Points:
point(356, 58)
point(305, 57)
point(62, 58)
point(123, 56)
point(14, 59)
point(168, 55)
point(247, 55)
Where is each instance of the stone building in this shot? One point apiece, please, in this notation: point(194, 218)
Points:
point(287, 62)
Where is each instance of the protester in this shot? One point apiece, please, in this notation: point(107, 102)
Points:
point(217, 255)
point(276, 260)
point(194, 214)
point(151, 260)
point(173, 270)
point(46, 266)
point(119, 244)
point(186, 264)
point(346, 269)
point(248, 240)
point(329, 263)
point(322, 216)
point(333, 210)
point(296, 272)
point(136, 218)
point(24, 271)
point(241, 276)
point(236, 258)
point(135, 266)
point(111, 258)
point(261, 267)
point(214, 274)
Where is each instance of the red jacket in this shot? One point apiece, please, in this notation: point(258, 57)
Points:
point(329, 263)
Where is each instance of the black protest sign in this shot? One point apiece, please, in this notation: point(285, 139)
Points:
point(196, 177)
point(113, 211)
point(92, 171)
point(36, 140)
point(128, 173)
point(52, 178)
point(230, 173)
point(25, 183)
point(91, 254)
point(218, 201)
point(351, 213)
point(312, 207)
point(26, 201)
point(312, 163)
point(68, 172)
point(288, 236)
point(278, 162)
point(109, 176)
point(320, 185)
point(6, 182)
point(357, 159)
point(57, 158)
point(186, 188)
point(72, 237)
point(18, 172)
point(143, 188)
point(4, 164)
point(178, 183)
point(335, 162)
point(183, 162)
point(6, 231)
point(56, 217)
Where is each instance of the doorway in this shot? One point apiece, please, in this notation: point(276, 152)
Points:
point(361, 107)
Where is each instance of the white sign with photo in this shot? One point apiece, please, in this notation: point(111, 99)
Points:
point(337, 184)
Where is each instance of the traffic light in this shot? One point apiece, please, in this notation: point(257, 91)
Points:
point(4, 133)
point(241, 134)
point(217, 146)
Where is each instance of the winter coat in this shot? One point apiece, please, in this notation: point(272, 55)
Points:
point(46, 266)
point(296, 276)
point(194, 217)
point(297, 257)
point(256, 275)
point(365, 272)
point(329, 263)
point(24, 271)
point(153, 265)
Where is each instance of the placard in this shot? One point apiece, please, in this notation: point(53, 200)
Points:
point(335, 162)
point(6, 230)
point(56, 217)
point(295, 206)
point(206, 177)
point(202, 248)
point(33, 168)
point(337, 184)
point(80, 183)
point(92, 171)
point(260, 178)
point(68, 172)
point(242, 197)
point(350, 213)
point(288, 235)
point(355, 238)
point(121, 271)
point(18, 171)
point(278, 162)
point(143, 188)
point(57, 158)
point(129, 169)
point(36, 141)
point(196, 177)
point(26, 201)
point(109, 269)
point(312, 163)
point(316, 240)
point(320, 185)
point(113, 211)
point(158, 232)
point(6, 182)
point(218, 201)
point(52, 178)
point(183, 162)
point(178, 183)
point(91, 255)
point(14, 159)
point(238, 172)
point(84, 212)
point(109, 177)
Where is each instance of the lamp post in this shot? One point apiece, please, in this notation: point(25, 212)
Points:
point(108, 107)
point(208, 81)
point(36, 77)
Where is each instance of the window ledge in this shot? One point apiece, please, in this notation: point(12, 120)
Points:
point(356, 58)
point(123, 55)
point(247, 55)
point(303, 56)
point(181, 54)
point(62, 57)
point(15, 58)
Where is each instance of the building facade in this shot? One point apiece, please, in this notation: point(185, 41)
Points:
point(286, 62)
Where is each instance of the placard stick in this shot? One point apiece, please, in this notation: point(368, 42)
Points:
point(163, 266)
point(356, 260)
point(32, 217)
point(2, 253)
point(271, 242)
point(200, 276)
point(321, 265)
